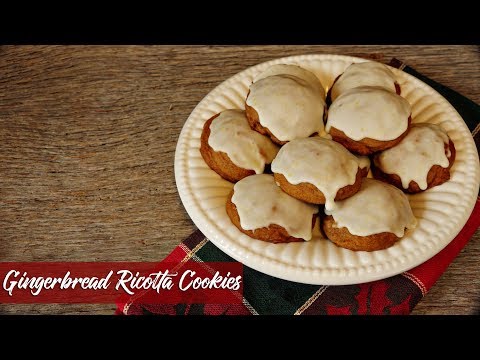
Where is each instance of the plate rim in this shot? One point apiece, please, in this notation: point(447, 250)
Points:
point(276, 268)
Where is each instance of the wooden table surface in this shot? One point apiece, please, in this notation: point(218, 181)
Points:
point(87, 143)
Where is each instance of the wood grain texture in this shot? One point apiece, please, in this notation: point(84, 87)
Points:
point(87, 143)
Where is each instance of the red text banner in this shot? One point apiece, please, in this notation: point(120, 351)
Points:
point(104, 282)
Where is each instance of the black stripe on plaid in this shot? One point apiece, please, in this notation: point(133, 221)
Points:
point(194, 239)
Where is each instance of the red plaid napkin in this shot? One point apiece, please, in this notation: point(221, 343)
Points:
point(264, 294)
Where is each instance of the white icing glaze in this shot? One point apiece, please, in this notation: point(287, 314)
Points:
point(369, 112)
point(363, 161)
point(364, 74)
point(290, 105)
point(323, 163)
point(260, 203)
point(414, 156)
point(294, 70)
point(378, 207)
point(231, 134)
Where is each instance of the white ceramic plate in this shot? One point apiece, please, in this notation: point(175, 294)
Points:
point(441, 211)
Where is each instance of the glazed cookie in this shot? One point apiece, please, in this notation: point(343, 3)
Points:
point(286, 102)
point(420, 161)
point(374, 218)
point(368, 73)
point(318, 170)
point(260, 209)
point(368, 119)
point(232, 149)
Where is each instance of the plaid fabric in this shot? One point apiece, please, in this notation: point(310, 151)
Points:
point(264, 294)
